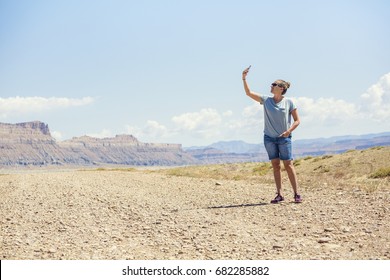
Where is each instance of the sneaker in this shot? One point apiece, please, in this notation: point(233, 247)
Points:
point(297, 198)
point(277, 199)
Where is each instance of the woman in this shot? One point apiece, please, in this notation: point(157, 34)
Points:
point(278, 111)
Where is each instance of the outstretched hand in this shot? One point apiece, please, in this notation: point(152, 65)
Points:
point(245, 72)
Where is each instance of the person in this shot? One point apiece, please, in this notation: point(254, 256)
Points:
point(278, 111)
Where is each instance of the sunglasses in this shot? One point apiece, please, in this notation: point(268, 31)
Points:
point(279, 85)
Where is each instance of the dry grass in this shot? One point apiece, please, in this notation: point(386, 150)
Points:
point(234, 171)
point(365, 169)
point(381, 173)
point(129, 169)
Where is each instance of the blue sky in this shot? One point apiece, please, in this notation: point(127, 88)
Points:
point(170, 71)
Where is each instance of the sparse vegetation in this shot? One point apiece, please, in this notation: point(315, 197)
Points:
point(129, 169)
point(381, 173)
point(233, 171)
point(352, 168)
point(327, 156)
point(377, 148)
point(262, 169)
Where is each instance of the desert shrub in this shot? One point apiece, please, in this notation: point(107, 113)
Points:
point(238, 177)
point(184, 172)
point(339, 175)
point(130, 169)
point(322, 169)
point(377, 148)
point(327, 156)
point(381, 173)
point(262, 169)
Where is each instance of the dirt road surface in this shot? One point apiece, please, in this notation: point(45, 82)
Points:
point(143, 215)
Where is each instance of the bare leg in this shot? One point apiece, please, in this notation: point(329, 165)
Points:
point(277, 174)
point(292, 176)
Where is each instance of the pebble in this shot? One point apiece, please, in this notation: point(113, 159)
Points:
point(346, 229)
point(324, 240)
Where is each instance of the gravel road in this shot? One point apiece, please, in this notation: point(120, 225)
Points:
point(145, 215)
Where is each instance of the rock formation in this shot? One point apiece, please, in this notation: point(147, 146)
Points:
point(28, 143)
point(31, 144)
point(126, 150)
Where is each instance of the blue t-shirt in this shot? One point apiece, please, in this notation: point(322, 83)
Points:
point(277, 116)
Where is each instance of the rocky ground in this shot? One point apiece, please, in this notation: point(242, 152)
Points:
point(146, 215)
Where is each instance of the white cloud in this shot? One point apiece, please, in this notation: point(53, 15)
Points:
point(105, 133)
point(134, 130)
point(152, 131)
point(373, 105)
point(57, 135)
point(253, 110)
point(208, 124)
point(228, 113)
point(203, 124)
point(248, 123)
point(326, 117)
point(155, 129)
point(375, 102)
point(204, 120)
point(320, 117)
point(326, 111)
point(12, 106)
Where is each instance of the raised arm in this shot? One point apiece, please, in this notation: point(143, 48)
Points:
point(255, 96)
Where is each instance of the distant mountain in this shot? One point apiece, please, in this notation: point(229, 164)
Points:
point(340, 144)
point(213, 156)
point(228, 152)
point(240, 151)
point(238, 147)
point(343, 138)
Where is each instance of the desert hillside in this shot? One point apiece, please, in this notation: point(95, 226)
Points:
point(354, 168)
point(204, 212)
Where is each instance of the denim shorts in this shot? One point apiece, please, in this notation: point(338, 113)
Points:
point(278, 147)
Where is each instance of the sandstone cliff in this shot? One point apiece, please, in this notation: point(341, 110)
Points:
point(127, 150)
point(28, 143)
point(31, 144)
